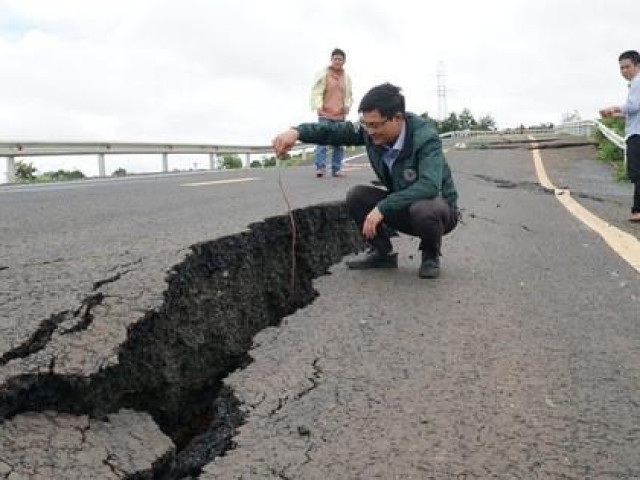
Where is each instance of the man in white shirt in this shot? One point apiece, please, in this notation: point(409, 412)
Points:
point(630, 68)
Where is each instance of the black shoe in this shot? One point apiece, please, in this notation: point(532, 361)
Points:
point(374, 259)
point(430, 268)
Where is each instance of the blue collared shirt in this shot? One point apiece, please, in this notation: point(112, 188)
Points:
point(390, 154)
point(631, 108)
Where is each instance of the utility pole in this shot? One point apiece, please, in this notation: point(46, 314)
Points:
point(442, 93)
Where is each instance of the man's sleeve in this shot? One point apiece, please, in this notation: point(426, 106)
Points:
point(331, 133)
point(317, 91)
point(632, 104)
point(348, 97)
point(428, 185)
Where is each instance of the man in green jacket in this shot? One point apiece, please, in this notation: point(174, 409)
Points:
point(419, 198)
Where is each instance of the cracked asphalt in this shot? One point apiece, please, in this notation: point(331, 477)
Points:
point(521, 361)
point(60, 245)
point(49, 445)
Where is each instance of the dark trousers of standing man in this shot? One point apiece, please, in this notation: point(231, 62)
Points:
point(633, 169)
point(427, 219)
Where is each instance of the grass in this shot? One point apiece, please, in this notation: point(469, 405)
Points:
point(610, 153)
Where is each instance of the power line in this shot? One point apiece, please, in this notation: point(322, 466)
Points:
point(442, 92)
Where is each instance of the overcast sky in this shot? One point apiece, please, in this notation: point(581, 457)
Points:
point(237, 72)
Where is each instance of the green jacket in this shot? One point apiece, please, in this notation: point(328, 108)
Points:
point(419, 172)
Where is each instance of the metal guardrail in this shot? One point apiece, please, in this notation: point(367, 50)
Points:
point(13, 149)
point(17, 149)
point(583, 128)
point(579, 128)
point(488, 133)
point(616, 139)
point(590, 126)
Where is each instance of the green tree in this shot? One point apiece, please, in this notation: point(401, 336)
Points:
point(231, 161)
point(269, 162)
point(486, 122)
point(451, 124)
point(119, 172)
point(463, 121)
point(436, 123)
point(466, 120)
point(63, 175)
point(426, 116)
point(285, 160)
point(25, 171)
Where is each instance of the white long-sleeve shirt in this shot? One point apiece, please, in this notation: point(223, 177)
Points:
point(631, 108)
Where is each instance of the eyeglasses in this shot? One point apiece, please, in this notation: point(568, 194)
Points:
point(373, 125)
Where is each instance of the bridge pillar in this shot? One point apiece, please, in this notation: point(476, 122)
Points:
point(247, 160)
point(101, 165)
point(165, 162)
point(212, 161)
point(11, 169)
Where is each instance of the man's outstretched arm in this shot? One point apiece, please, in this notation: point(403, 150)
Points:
point(334, 133)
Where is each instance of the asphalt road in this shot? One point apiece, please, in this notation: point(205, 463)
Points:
point(58, 240)
point(521, 361)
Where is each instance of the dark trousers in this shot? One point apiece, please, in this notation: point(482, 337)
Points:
point(633, 168)
point(427, 219)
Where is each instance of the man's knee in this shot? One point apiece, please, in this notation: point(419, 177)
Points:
point(357, 195)
point(431, 210)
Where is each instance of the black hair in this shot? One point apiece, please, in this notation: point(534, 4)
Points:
point(385, 98)
point(632, 55)
point(339, 51)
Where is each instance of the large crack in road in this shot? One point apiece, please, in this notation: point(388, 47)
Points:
point(173, 360)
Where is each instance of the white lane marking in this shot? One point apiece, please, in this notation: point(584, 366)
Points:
point(355, 166)
point(623, 243)
point(219, 182)
point(348, 159)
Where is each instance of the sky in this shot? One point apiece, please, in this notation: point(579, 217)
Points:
point(238, 72)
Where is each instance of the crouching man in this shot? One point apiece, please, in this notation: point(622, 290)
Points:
point(406, 155)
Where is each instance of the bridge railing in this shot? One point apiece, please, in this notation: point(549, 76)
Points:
point(13, 150)
point(488, 133)
point(18, 149)
point(588, 127)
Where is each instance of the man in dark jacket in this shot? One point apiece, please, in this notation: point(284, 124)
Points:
point(406, 154)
